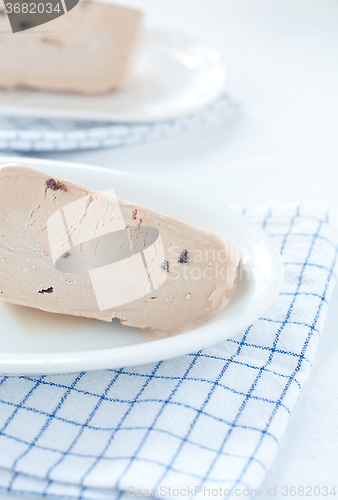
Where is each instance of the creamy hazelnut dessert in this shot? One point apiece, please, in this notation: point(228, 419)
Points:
point(88, 50)
point(69, 250)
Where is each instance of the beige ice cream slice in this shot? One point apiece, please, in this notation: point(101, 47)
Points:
point(90, 50)
point(68, 250)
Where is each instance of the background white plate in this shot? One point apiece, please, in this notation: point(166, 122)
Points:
point(172, 78)
point(32, 341)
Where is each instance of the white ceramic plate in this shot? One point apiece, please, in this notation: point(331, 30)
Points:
point(32, 341)
point(172, 78)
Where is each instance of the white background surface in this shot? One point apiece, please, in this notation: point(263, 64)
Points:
point(281, 147)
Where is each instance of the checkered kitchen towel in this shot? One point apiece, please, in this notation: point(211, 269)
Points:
point(212, 419)
point(24, 134)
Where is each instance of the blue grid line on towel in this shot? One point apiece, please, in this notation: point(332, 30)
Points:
point(161, 431)
point(8, 421)
point(104, 397)
point(267, 348)
point(249, 366)
point(307, 235)
point(224, 355)
point(310, 264)
point(173, 392)
point(131, 402)
point(100, 399)
point(66, 394)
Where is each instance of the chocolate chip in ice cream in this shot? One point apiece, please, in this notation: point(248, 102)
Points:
point(55, 185)
point(183, 258)
point(46, 290)
point(165, 266)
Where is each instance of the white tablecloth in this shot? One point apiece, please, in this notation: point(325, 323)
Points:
point(281, 147)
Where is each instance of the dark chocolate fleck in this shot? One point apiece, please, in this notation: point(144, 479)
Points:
point(65, 255)
point(46, 290)
point(153, 297)
point(165, 266)
point(134, 214)
point(183, 258)
point(55, 185)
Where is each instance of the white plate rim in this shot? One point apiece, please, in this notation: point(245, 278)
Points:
point(192, 341)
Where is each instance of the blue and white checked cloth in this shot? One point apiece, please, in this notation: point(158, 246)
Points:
point(210, 419)
point(46, 134)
